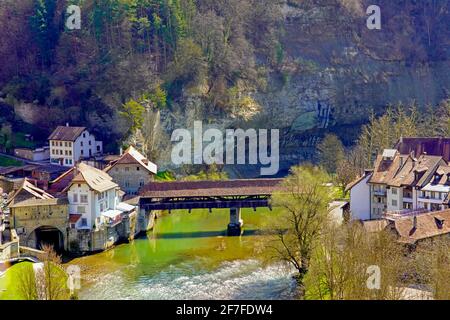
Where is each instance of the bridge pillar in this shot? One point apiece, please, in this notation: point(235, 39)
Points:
point(236, 222)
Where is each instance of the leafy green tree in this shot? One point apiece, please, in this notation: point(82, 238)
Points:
point(133, 112)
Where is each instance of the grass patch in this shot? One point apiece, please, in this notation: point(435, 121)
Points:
point(9, 162)
point(8, 282)
point(20, 141)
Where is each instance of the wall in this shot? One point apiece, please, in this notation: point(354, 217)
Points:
point(130, 181)
point(11, 249)
point(360, 200)
point(82, 149)
point(27, 219)
point(89, 207)
point(67, 152)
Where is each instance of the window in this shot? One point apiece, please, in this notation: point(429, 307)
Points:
point(83, 222)
point(102, 207)
point(127, 169)
point(137, 168)
point(81, 209)
point(394, 190)
point(75, 197)
point(70, 161)
point(98, 148)
point(127, 184)
point(84, 198)
point(90, 142)
point(66, 144)
point(82, 152)
point(141, 183)
point(394, 202)
point(81, 143)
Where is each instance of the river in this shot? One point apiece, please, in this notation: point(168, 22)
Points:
point(188, 256)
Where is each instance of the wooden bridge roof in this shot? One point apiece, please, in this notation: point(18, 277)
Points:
point(184, 189)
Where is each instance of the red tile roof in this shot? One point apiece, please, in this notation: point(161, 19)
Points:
point(73, 218)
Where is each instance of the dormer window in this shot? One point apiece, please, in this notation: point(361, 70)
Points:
point(439, 222)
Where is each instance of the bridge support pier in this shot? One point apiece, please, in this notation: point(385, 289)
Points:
point(236, 222)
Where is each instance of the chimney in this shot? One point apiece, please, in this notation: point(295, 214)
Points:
point(67, 124)
point(120, 151)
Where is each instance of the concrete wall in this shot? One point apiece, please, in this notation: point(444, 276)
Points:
point(39, 154)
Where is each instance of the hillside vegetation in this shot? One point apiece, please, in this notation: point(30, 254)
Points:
point(137, 69)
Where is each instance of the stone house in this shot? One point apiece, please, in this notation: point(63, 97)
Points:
point(68, 145)
point(132, 171)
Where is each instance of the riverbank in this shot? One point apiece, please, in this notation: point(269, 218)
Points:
point(189, 256)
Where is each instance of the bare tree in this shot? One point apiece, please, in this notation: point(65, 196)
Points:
point(340, 264)
point(304, 205)
point(26, 283)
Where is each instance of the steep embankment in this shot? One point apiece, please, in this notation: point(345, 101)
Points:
point(304, 66)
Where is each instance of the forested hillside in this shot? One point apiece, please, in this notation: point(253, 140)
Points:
point(137, 69)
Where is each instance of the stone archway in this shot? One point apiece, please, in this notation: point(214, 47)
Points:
point(46, 235)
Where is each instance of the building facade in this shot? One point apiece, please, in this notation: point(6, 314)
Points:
point(132, 171)
point(93, 198)
point(68, 145)
point(38, 218)
point(415, 182)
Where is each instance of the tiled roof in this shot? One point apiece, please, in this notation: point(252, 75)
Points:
point(428, 225)
point(132, 156)
point(33, 191)
point(65, 133)
point(430, 146)
point(97, 179)
point(248, 187)
point(385, 170)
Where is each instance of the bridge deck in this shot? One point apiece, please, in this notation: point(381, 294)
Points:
point(178, 189)
point(249, 193)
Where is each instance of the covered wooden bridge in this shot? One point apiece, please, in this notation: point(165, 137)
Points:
point(232, 194)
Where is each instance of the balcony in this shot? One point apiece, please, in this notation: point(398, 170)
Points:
point(404, 213)
point(380, 193)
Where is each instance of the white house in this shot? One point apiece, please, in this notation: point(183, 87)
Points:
point(93, 198)
point(71, 144)
point(360, 198)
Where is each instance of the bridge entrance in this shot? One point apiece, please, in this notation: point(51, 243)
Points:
point(48, 235)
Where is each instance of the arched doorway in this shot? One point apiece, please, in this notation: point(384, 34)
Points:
point(47, 235)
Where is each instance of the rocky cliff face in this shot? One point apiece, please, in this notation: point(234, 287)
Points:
point(334, 71)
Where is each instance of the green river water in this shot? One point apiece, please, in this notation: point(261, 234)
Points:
point(188, 256)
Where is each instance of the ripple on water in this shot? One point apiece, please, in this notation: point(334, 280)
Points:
point(241, 279)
